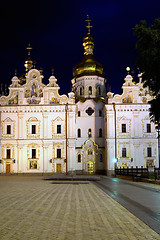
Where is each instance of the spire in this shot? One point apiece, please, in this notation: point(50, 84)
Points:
point(88, 42)
point(28, 63)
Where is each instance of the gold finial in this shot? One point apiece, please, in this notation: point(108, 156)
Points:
point(28, 63)
point(29, 48)
point(15, 71)
point(128, 69)
point(89, 24)
point(52, 71)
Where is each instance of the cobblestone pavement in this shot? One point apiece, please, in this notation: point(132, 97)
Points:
point(31, 208)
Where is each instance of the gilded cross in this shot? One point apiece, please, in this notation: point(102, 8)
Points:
point(89, 24)
point(29, 48)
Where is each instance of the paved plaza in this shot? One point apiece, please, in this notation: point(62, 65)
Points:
point(31, 208)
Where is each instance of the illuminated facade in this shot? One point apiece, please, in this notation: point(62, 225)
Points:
point(44, 132)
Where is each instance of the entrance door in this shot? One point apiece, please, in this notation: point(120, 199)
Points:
point(8, 168)
point(90, 167)
point(58, 168)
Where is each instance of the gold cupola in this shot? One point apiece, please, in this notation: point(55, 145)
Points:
point(88, 66)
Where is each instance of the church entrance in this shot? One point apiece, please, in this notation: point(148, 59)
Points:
point(8, 168)
point(58, 170)
point(90, 168)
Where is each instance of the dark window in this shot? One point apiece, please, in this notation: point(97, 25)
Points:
point(79, 113)
point(100, 113)
point(99, 91)
point(149, 152)
point(89, 132)
point(58, 153)
point(8, 153)
point(123, 128)
point(58, 129)
point(79, 132)
point(124, 152)
point(79, 157)
point(81, 91)
point(33, 129)
point(100, 132)
point(148, 127)
point(8, 129)
point(89, 111)
point(90, 90)
point(33, 153)
point(100, 157)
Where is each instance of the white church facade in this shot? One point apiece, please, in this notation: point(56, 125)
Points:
point(42, 131)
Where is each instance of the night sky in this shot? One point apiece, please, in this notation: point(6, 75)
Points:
point(55, 30)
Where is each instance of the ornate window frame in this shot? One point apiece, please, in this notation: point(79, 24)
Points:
point(33, 161)
point(120, 121)
point(55, 123)
point(33, 121)
point(8, 121)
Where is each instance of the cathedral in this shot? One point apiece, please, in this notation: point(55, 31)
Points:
point(88, 131)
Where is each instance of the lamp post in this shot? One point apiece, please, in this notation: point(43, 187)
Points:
point(157, 125)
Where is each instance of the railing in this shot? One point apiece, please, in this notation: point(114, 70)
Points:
point(133, 172)
point(157, 173)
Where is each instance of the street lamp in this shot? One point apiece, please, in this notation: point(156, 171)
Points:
point(157, 125)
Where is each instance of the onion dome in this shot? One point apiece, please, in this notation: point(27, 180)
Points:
point(88, 66)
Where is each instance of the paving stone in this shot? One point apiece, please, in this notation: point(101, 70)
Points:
point(32, 208)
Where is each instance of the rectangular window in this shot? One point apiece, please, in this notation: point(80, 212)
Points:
point(79, 113)
point(58, 129)
point(124, 152)
point(79, 133)
point(148, 128)
point(149, 152)
point(58, 153)
point(8, 153)
point(33, 153)
point(33, 129)
point(8, 129)
point(100, 113)
point(123, 128)
point(100, 132)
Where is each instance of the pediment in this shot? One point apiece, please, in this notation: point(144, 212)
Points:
point(58, 119)
point(8, 120)
point(32, 119)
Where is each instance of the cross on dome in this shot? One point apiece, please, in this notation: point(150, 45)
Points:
point(89, 24)
point(29, 48)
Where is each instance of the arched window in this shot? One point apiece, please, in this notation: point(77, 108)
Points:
point(100, 132)
point(89, 132)
point(100, 157)
point(99, 91)
point(79, 157)
point(90, 90)
point(80, 91)
point(79, 133)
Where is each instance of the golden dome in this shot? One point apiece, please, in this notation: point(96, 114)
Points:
point(88, 66)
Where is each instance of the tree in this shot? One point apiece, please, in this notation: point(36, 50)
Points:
point(148, 61)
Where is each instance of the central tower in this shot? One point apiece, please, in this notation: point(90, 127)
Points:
point(88, 81)
point(89, 87)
